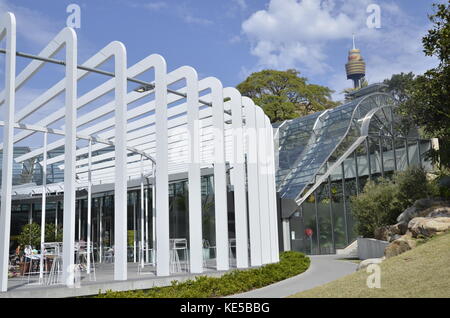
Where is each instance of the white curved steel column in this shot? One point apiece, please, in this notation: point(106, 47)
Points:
point(220, 180)
point(238, 177)
point(182, 136)
point(252, 181)
point(264, 211)
point(273, 215)
point(8, 30)
point(69, 38)
point(194, 177)
point(120, 154)
point(161, 172)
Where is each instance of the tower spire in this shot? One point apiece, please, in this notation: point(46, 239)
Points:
point(355, 67)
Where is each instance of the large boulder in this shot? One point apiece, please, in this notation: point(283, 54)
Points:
point(428, 226)
point(388, 233)
point(441, 211)
point(400, 245)
point(421, 208)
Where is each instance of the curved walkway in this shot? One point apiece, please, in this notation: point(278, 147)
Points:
point(323, 269)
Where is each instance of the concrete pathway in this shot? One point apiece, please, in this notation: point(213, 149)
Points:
point(323, 269)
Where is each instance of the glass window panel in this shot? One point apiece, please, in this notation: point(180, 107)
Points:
point(338, 206)
point(309, 222)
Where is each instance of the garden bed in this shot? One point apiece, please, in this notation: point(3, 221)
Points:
point(237, 281)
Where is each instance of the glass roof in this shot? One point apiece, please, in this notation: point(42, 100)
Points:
point(306, 143)
point(294, 136)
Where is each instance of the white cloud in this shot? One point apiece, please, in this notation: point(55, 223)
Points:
point(149, 5)
point(241, 4)
point(188, 18)
point(235, 39)
point(289, 32)
point(31, 25)
point(181, 10)
point(155, 5)
point(304, 34)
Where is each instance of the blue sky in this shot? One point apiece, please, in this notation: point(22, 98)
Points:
point(230, 39)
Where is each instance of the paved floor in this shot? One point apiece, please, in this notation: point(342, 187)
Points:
point(323, 269)
point(104, 280)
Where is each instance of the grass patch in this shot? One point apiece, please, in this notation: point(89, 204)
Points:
point(421, 272)
point(350, 259)
point(237, 281)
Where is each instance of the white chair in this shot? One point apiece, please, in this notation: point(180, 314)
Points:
point(53, 251)
point(108, 256)
point(31, 257)
point(81, 253)
point(206, 253)
point(176, 245)
point(208, 259)
point(231, 246)
point(142, 263)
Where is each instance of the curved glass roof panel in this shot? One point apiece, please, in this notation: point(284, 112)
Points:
point(293, 137)
point(330, 130)
point(327, 133)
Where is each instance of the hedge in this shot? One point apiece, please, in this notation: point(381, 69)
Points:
point(238, 281)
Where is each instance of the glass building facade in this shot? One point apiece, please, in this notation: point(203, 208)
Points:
point(326, 158)
point(27, 210)
point(30, 170)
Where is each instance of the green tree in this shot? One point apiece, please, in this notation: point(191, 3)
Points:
point(51, 235)
point(285, 95)
point(400, 86)
point(31, 234)
point(429, 102)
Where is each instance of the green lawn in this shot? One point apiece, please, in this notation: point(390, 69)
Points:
point(421, 272)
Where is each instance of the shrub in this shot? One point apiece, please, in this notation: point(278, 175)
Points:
point(381, 202)
point(443, 182)
point(413, 185)
point(237, 281)
point(375, 207)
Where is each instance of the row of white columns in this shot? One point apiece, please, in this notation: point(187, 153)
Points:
point(251, 161)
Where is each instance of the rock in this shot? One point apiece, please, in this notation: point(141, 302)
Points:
point(428, 227)
point(439, 212)
point(387, 233)
point(400, 245)
point(381, 233)
point(369, 261)
point(402, 227)
point(421, 208)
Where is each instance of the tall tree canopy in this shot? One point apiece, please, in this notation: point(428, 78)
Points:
point(285, 95)
point(429, 95)
point(400, 86)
